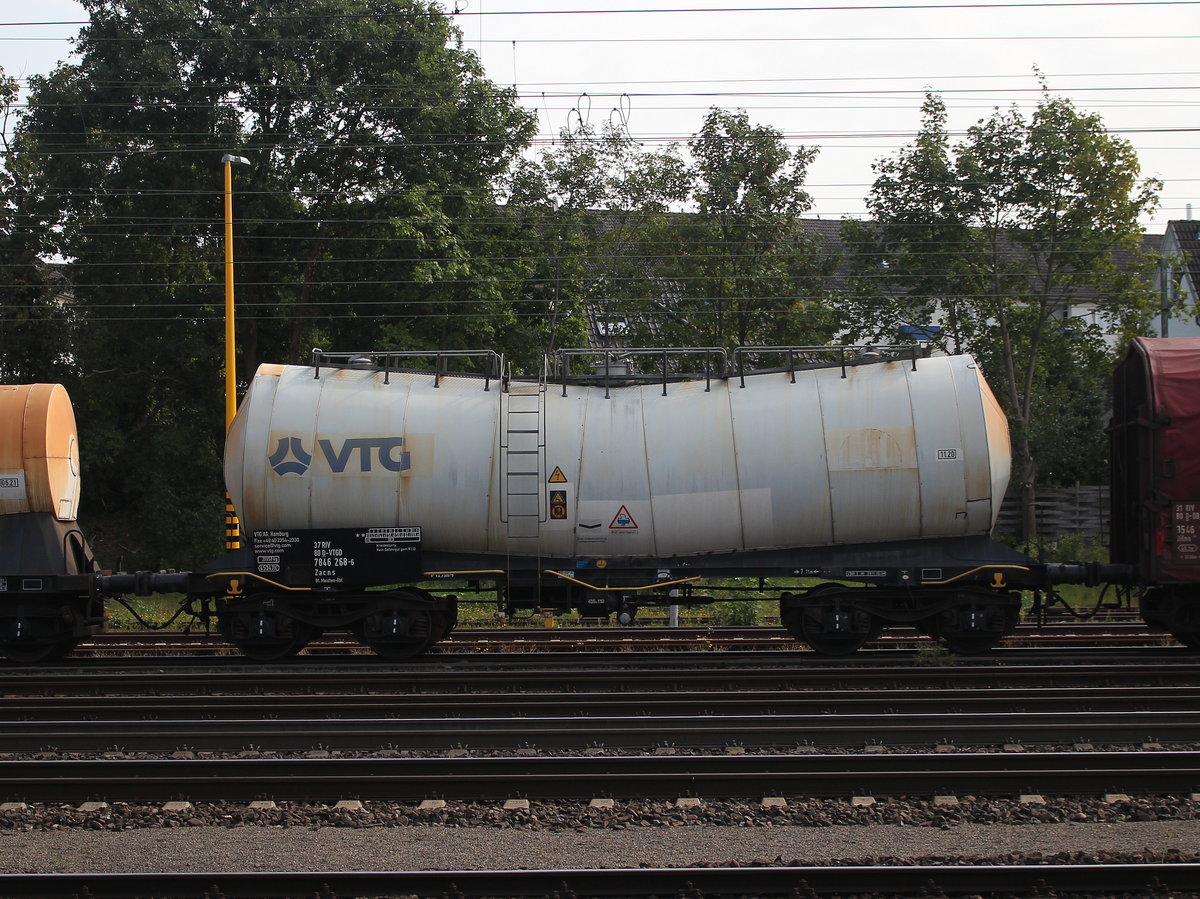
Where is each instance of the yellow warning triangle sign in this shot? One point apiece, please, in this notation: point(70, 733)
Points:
point(557, 477)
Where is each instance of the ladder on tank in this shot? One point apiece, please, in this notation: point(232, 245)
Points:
point(523, 457)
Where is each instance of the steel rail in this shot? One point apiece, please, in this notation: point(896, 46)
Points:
point(582, 778)
point(578, 733)
point(602, 655)
point(642, 638)
point(595, 656)
point(603, 632)
point(612, 677)
point(910, 880)
point(281, 706)
point(602, 673)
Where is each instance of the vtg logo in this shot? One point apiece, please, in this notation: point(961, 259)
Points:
point(290, 456)
point(299, 462)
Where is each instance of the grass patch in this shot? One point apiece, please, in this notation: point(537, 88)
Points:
point(935, 655)
point(156, 610)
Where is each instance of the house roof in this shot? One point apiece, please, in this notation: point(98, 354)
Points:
point(1186, 233)
point(827, 234)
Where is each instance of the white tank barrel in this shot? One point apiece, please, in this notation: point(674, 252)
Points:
point(886, 451)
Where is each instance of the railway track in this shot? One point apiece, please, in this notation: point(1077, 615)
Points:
point(608, 673)
point(910, 880)
point(566, 734)
point(892, 722)
point(559, 706)
point(582, 778)
point(602, 638)
point(574, 722)
point(26, 709)
point(558, 730)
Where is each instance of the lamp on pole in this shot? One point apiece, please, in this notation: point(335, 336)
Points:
point(230, 360)
point(233, 537)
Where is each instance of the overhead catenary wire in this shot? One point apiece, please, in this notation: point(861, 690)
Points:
point(375, 14)
point(59, 147)
point(310, 41)
point(619, 87)
point(830, 140)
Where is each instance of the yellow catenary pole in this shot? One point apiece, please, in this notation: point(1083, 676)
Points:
point(232, 528)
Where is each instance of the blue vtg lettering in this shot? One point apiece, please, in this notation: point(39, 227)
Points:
point(373, 454)
point(387, 453)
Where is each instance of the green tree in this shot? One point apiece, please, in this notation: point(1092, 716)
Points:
point(748, 272)
point(598, 201)
point(34, 318)
point(367, 218)
point(1022, 242)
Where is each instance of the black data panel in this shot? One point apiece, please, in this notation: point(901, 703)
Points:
point(338, 558)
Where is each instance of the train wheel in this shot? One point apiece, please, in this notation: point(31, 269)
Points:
point(976, 624)
point(264, 634)
point(411, 626)
point(35, 653)
point(399, 634)
point(273, 652)
point(833, 631)
point(1191, 641)
point(971, 645)
point(815, 631)
point(445, 620)
point(1173, 608)
point(399, 652)
point(829, 630)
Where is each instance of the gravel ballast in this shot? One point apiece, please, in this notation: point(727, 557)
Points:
point(427, 847)
point(943, 812)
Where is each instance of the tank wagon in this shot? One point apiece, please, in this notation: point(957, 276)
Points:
point(48, 597)
point(607, 496)
point(373, 494)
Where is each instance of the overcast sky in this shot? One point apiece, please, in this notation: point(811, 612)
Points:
point(847, 79)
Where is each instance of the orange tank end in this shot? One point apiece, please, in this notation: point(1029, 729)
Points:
point(39, 451)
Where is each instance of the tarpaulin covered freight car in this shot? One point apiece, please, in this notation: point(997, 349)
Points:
point(1155, 467)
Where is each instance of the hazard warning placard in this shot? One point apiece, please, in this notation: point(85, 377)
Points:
point(557, 476)
point(623, 521)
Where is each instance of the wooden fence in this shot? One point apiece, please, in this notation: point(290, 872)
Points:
point(1080, 511)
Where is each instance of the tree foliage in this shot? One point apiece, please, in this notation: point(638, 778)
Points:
point(34, 321)
point(738, 269)
point(367, 217)
point(1022, 243)
point(749, 272)
point(599, 203)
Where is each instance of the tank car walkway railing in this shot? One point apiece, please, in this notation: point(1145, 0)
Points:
point(797, 358)
point(620, 366)
point(392, 361)
point(616, 366)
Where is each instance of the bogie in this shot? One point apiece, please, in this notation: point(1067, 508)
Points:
point(1174, 608)
point(837, 620)
point(975, 621)
point(263, 632)
point(44, 629)
point(37, 652)
point(406, 624)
